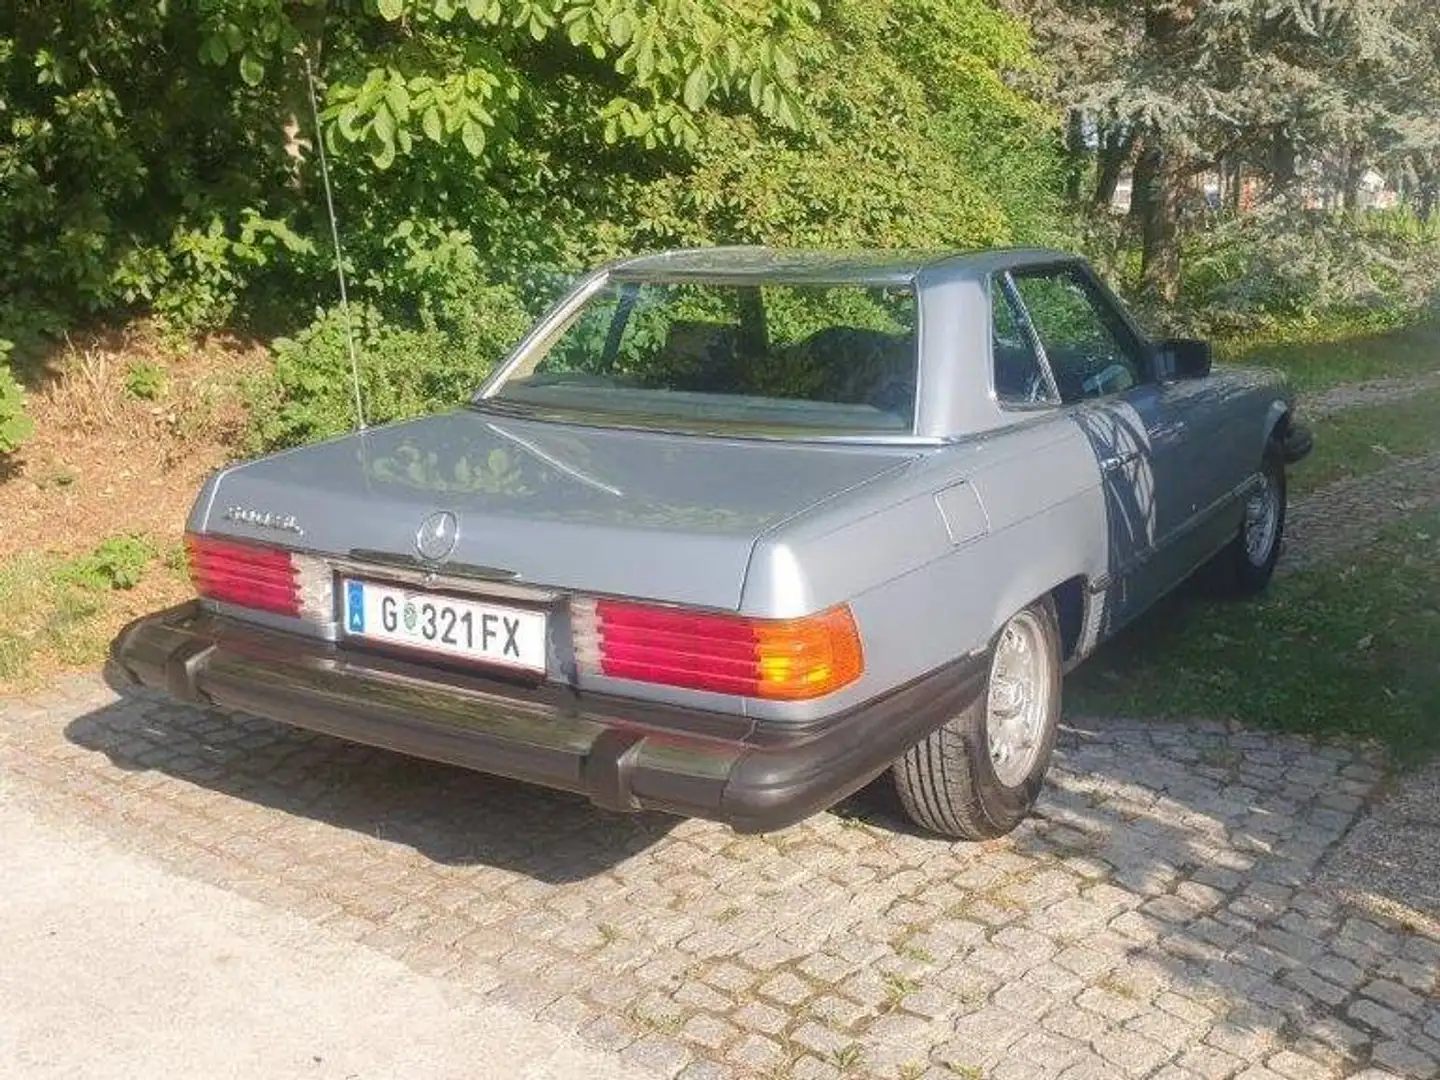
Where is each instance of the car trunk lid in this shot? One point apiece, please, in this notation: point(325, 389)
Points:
point(651, 515)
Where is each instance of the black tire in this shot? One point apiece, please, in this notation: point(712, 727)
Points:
point(1248, 573)
point(948, 782)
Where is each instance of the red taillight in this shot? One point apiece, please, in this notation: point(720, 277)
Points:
point(782, 659)
point(255, 576)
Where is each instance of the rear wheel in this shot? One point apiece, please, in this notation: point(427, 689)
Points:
point(979, 775)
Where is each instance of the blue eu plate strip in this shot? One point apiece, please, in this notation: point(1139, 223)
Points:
point(355, 607)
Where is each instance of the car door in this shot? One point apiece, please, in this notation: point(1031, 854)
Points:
point(1217, 459)
point(1103, 374)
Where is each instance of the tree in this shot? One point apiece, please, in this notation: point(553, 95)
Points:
point(1198, 85)
point(914, 138)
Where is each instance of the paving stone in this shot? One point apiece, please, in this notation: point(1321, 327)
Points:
point(1258, 1072)
point(1021, 998)
point(841, 1011)
point(709, 1031)
point(1247, 1041)
point(758, 1016)
point(1418, 977)
point(1093, 1067)
point(1335, 1033)
point(1293, 1066)
point(609, 1033)
point(1376, 1016)
point(812, 1068)
point(1167, 1030)
point(1174, 1072)
point(1211, 1062)
point(758, 1053)
point(820, 1040)
point(729, 977)
point(1083, 961)
point(785, 988)
point(704, 1070)
point(1109, 1004)
point(1406, 1060)
point(932, 1003)
point(990, 1030)
point(1134, 1054)
point(1394, 996)
point(1335, 1061)
point(1047, 1052)
point(1075, 1024)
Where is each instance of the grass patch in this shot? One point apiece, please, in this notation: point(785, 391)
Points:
point(52, 605)
point(1325, 355)
point(1365, 439)
point(848, 1058)
point(117, 563)
point(896, 989)
point(1332, 651)
point(42, 614)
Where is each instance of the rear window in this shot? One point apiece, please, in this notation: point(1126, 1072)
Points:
point(832, 360)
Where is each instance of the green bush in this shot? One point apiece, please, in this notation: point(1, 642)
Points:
point(145, 380)
point(118, 563)
point(1280, 266)
point(405, 370)
point(15, 426)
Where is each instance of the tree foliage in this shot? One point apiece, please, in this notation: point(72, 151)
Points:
point(914, 137)
point(1291, 93)
point(15, 426)
point(162, 154)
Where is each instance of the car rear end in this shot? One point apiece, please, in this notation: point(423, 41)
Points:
point(635, 704)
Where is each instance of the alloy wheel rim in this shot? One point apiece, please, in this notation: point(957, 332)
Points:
point(1018, 701)
point(1262, 516)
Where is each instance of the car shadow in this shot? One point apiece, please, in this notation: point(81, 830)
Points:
point(450, 815)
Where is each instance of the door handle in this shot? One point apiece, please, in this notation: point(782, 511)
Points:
point(1112, 462)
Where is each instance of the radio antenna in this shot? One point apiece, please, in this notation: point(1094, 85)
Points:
point(339, 254)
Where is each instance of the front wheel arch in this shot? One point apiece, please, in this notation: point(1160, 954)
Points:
point(1278, 420)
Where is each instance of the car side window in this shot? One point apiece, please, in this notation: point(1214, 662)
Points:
point(1091, 351)
point(1019, 375)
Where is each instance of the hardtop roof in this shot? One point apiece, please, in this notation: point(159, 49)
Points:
point(877, 267)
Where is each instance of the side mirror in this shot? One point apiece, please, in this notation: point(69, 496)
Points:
point(1183, 358)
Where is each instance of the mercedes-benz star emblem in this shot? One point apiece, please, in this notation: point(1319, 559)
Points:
point(436, 537)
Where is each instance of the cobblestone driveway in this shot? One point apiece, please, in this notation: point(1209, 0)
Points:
point(1155, 919)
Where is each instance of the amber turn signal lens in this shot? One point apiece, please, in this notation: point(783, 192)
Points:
point(780, 659)
point(810, 657)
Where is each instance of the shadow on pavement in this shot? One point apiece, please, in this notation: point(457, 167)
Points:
point(453, 816)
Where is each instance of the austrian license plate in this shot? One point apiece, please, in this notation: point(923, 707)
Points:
point(445, 625)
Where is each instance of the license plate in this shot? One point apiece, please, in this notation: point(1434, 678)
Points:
point(445, 626)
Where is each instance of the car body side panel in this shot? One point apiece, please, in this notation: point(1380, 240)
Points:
point(920, 598)
point(1230, 417)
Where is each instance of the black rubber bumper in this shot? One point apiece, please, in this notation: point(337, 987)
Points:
point(623, 754)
